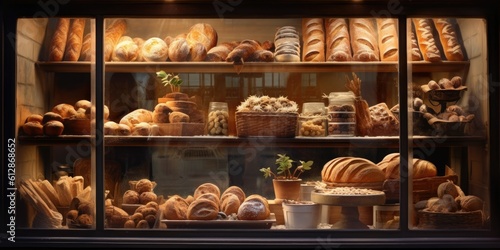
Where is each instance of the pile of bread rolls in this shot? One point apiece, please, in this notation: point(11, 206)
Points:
point(208, 203)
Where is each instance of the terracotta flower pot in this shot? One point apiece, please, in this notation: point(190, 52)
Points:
point(286, 189)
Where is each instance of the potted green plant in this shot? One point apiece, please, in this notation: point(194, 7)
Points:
point(286, 179)
point(174, 82)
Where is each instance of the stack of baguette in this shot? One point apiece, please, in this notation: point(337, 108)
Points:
point(287, 44)
point(46, 198)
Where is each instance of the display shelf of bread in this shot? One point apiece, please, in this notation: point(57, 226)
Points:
point(424, 175)
point(321, 44)
point(450, 208)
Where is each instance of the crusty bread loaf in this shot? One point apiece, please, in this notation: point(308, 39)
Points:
point(137, 116)
point(254, 207)
point(206, 188)
point(154, 49)
point(425, 37)
point(85, 52)
point(387, 39)
point(219, 53)
point(351, 170)
point(175, 208)
point(75, 40)
point(313, 40)
point(415, 50)
point(364, 39)
point(178, 50)
point(202, 33)
point(114, 32)
point(449, 39)
point(229, 203)
point(59, 39)
point(237, 191)
point(243, 51)
point(53, 128)
point(125, 51)
point(384, 123)
point(64, 109)
point(202, 209)
point(390, 165)
point(33, 128)
point(338, 43)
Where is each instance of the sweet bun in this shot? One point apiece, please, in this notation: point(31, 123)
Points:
point(203, 209)
point(206, 188)
point(154, 50)
point(33, 128)
point(255, 207)
point(53, 128)
point(235, 190)
point(175, 208)
point(229, 203)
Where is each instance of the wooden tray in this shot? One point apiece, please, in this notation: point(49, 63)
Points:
point(222, 224)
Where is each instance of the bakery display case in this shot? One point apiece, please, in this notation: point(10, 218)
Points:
point(169, 123)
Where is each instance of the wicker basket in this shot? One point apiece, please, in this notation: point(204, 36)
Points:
point(266, 124)
point(457, 220)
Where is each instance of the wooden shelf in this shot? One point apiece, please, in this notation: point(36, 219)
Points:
point(253, 67)
point(233, 141)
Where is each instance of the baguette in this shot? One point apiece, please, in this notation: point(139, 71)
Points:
point(364, 39)
point(58, 42)
point(313, 34)
point(449, 40)
point(425, 38)
point(415, 50)
point(338, 45)
point(112, 35)
point(387, 39)
point(85, 53)
point(75, 40)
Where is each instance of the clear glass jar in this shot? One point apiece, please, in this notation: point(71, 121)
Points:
point(312, 121)
point(218, 119)
point(341, 114)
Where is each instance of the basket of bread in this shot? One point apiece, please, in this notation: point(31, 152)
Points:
point(267, 116)
point(453, 121)
point(450, 209)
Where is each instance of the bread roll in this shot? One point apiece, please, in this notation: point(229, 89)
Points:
point(130, 197)
point(84, 104)
point(178, 117)
point(175, 208)
point(147, 196)
point(255, 207)
point(229, 203)
point(203, 209)
point(387, 39)
point(113, 33)
point(206, 188)
point(64, 109)
point(351, 170)
point(142, 129)
point(313, 39)
point(364, 39)
point(449, 39)
point(154, 49)
point(338, 43)
point(390, 165)
point(237, 191)
point(123, 129)
point(53, 128)
point(243, 51)
point(137, 116)
point(425, 38)
point(415, 50)
point(59, 39)
point(34, 118)
point(161, 113)
point(51, 116)
point(220, 52)
point(143, 185)
point(33, 128)
point(210, 196)
point(75, 40)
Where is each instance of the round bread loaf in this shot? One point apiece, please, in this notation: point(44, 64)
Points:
point(237, 191)
point(143, 185)
point(53, 128)
point(148, 196)
point(131, 197)
point(421, 168)
point(34, 118)
point(154, 50)
point(203, 209)
point(64, 109)
point(229, 203)
point(351, 170)
point(255, 207)
point(206, 188)
point(33, 128)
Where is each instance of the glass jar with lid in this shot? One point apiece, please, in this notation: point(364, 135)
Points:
point(218, 119)
point(312, 122)
point(341, 114)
